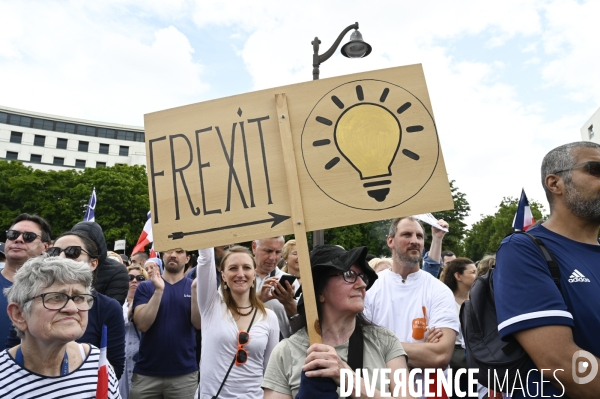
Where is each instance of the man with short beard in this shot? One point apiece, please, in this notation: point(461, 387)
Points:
point(557, 330)
point(165, 309)
point(413, 303)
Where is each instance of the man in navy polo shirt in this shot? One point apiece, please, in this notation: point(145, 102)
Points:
point(559, 332)
point(166, 311)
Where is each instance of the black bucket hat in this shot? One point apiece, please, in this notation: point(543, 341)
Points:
point(332, 256)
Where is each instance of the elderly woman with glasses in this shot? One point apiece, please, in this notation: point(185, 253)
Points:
point(238, 333)
point(49, 304)
point(133, 336)
point(107, 311)
point(350, 342)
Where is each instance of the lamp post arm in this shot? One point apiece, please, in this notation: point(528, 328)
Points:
point(318, 59)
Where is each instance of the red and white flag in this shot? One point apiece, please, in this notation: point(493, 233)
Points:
point(145, 238)
point(102, 387)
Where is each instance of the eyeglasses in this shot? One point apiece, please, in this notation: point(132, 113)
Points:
point(28, 236)
point(593, 168)
point(138, 278)
point(350, 276)
point(72, 252)
point(58, 300)
point(241, 356)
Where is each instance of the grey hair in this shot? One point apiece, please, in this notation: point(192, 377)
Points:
point(394, 226)
point(41, 272)
point(561, 158)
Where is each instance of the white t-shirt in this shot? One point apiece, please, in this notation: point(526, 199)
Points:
point(219, 340)
point(398, 305)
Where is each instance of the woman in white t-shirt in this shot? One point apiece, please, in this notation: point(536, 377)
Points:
point(238, 332)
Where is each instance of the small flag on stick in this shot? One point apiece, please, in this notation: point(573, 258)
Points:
point(90, 209)
point(145, 238)
point(102, 387)
point(523, 218)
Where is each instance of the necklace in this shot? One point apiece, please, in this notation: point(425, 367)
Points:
point(244, 307)
point(245, 314)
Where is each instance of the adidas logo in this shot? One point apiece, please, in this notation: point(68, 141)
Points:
point(577, 277)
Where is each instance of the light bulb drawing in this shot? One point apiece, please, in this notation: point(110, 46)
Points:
point(374, 138)
point(368, 136)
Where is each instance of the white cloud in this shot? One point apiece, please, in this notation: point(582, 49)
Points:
point(77, 63)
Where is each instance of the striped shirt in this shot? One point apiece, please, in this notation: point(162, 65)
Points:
point(18, 382)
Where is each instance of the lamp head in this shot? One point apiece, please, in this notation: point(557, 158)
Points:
point(356, 47)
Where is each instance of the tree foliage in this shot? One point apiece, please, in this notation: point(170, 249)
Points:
point(60, 197)
point(374, 234)
point(486, 235)
point(453, 240)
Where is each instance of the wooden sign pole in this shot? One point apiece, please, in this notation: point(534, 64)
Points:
point(291, 173)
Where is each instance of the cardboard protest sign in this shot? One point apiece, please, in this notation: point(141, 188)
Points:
point(365, 147)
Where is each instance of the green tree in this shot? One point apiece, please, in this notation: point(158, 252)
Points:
point(486, 235)
point(456, 219)
point(61, 196)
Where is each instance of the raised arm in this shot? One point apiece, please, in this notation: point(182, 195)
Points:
point(206, 287)
point(145, 314)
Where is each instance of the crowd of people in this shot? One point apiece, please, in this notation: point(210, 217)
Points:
point(231, 322)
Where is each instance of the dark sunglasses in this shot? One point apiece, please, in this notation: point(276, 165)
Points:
point(593, 168)
point(28, 236)
point(138, 278)
point(241, 356)
point(72, 252)
point(350, 276)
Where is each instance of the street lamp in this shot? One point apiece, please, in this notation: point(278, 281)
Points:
point(355, 48)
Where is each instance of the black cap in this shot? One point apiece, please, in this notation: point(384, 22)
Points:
point(332, 256)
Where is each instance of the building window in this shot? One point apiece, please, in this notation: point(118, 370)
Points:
point(103, 148)
point(591, 131)
point(3, 117)
point(65, 127)
point(58, 161)
point(39, 140)
point(16, 137)
point(19, 120)
point(43, 124)
point(106, 133)
point(61, 144)
point(139, 137)
point(12, 155)
point(36, 158)
point(80, 163)
point(83, 146)
point(86, 130)
point(123, 151)
point(101, 164)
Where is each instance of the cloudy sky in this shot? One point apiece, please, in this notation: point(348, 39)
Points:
point(508, 80)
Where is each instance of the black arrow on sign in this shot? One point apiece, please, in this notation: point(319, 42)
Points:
point(275, 218)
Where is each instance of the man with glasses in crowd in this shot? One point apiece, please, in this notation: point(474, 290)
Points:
point(28, 237)
point(166, 310)
point(557, 329)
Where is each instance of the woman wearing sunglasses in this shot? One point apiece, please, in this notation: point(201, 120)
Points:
point(350, 342)
point(136, 274)
point(49, 304)
point(107, 311)
point(238, 333)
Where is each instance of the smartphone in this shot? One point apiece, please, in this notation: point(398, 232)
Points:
point(287, 277)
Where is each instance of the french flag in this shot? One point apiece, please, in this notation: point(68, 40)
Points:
point(145, 238)
point(102, 387)
point(523, 218)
